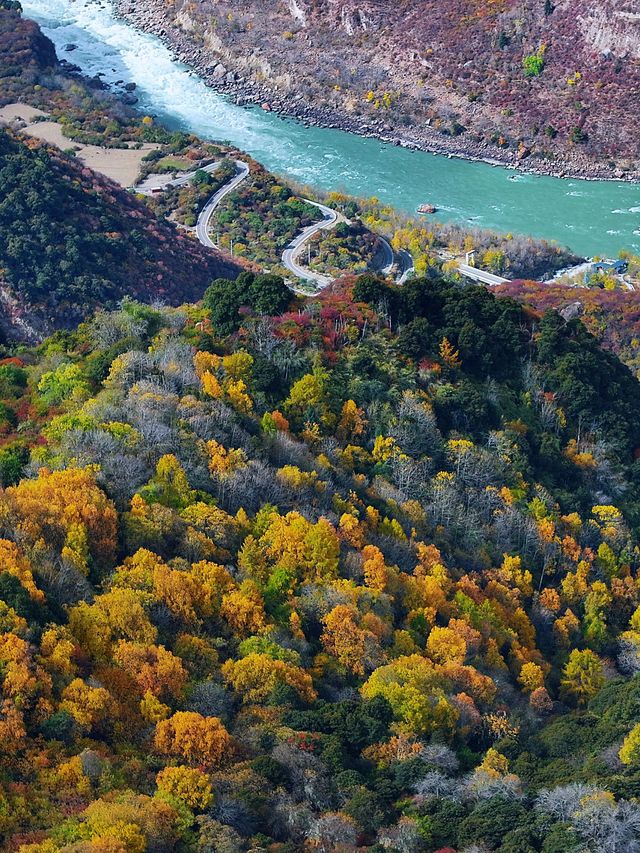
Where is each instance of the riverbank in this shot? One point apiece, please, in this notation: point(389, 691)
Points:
point(597, 218)
point(150, 16)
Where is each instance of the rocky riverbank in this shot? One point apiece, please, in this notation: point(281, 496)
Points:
point(151, 16)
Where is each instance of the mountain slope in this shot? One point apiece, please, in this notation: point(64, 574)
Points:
point(361, 575)
point(25, 53)
point(73, 240)
point(457, 66)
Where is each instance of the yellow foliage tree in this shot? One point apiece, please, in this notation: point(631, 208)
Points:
point(179, 591)
point(531, 677)
point(194, 738)
point(256, 676)
point(66, 510)
point(445, 645)
point(152, 709)
point(308, 398)
point(213, 582)
point(351, 530)
point(376, 573)
point(312, 551)
point(115, 615)
point(13, 561)
point(58, 651)
point(187, 784)
point(206, 362)
point(414, 689)
point(352, 424)
point(137, 571)
point(385, 448)
point(243, 609)
point(344, 639)
point(129, 823)
point(223, 462)
point(238, 365)
point(449, 354)
point(512, 573)
point(153, 668)
point(494, 763)
point(211, 386)
point(583, 676)
point(236, 391)
point(89, 706)
point(630, 750)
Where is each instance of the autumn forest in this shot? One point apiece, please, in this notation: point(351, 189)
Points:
point(359, 574)
point(290, 571)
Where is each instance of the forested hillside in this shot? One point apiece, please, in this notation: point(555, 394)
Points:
point(73, 240)
point(354, 572)
point(612, 315)
point(25, 53)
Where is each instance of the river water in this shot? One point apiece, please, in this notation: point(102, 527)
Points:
point(592, 218)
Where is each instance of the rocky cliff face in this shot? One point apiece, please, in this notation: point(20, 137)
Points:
point(612, 27)
point(605, 25)
point(441, 68)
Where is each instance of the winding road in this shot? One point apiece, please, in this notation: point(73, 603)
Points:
point(291, 253)
point(402, 260)
point(202, 225)
point(389, 257)
point(151, 186)
point(330, 219)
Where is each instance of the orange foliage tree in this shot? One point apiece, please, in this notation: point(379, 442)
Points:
point(195, 739)
point(67, 511)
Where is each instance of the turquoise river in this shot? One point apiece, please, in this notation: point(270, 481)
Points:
point(590, 217)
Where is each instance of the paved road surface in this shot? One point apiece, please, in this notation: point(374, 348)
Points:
point(405, 265)
point(186, 178)
point(161, 182)
point(480, 275)
point(389, 258)
point(289, 256)
point(202, 226)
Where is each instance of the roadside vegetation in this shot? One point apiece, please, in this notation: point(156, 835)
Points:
point(183, 203)
point(344, 248)
point(261, 218)
point(431, 242)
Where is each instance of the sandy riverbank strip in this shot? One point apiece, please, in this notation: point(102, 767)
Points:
point(122, 165)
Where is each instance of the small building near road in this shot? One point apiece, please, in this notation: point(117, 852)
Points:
point(618, 267)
